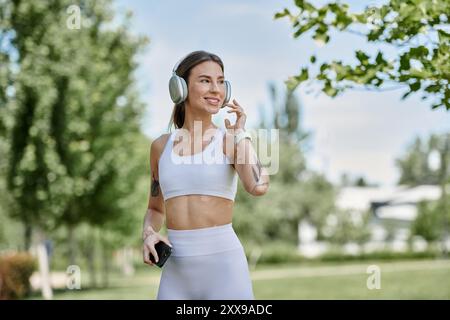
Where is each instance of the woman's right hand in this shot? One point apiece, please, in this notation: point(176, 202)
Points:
point(149, 246)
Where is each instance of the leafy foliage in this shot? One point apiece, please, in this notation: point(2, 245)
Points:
point(416, 166)
point(71, 118)
point(428, 223)
point(417, 28)
point(345, 226)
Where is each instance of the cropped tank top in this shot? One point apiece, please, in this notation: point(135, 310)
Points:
point(208, 172)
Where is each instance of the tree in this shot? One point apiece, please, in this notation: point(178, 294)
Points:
point(358, 181)
point(416, 164)
point(70, 118)
point(345, 226)
point(286, 115)
point(428, 221)
point(74, 113)
point(416, 28)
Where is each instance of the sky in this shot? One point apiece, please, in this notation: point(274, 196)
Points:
point(360, 133)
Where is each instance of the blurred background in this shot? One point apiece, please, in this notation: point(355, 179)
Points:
point(358, 207)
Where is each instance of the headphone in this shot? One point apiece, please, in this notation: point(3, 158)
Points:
point(179, 91)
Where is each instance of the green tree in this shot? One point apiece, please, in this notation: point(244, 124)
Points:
point(416, 167)
point(75, 114)
point(286, 115)
point(348, 226)
point(358, 181)
point(416, 28)
point(427, 223)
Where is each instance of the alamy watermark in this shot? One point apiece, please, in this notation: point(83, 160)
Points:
point(73, 21)
point(374, 280)
point(73, 277)
point(265, 146)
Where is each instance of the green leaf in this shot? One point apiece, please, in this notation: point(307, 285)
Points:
point(404, 62)
point(293, 82)
point(418, 52)
point(404, 77)
point(361, 18)
point(375, 33)
point(303, 75)
point(330, 90)
point(406, 94)
point(415, 86)
point(418, 73)
point(379, 59)
point(435, 106)
point(433, 88)
point(303, 29)
point(300, 3)
point(362, 57)
point(324, 67)
point(279, 15)
point(443, 36)
point(321, 37)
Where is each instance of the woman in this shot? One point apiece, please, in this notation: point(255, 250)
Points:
point(196, 196)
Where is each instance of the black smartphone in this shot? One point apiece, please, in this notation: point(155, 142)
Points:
point(163, 250)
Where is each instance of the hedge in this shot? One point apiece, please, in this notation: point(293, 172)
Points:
point(15, 272)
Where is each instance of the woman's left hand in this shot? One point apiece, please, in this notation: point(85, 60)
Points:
point(241, 117)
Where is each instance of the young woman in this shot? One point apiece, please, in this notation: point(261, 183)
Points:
point(194, 174)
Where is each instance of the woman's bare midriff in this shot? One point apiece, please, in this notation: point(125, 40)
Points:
point(197, 211)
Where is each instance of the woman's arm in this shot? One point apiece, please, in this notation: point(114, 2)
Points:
point(153, 222)
point(253, 175)
point(154, 217)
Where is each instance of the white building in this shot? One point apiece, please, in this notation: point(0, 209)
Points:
point(393, 210)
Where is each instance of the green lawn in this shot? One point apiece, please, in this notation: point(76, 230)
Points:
point(424, 279)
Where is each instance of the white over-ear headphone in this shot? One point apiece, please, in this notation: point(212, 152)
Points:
point(179, 91)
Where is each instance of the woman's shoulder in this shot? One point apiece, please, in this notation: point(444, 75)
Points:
point(162, 139)
point(158, 144)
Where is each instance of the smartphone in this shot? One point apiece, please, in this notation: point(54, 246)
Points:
point(163, 250)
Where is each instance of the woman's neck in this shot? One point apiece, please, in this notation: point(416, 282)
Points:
point(197, 125)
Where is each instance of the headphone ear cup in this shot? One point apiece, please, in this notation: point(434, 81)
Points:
point(227, 93)
point(177, 89)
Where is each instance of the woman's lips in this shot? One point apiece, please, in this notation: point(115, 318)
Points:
point(213, 101)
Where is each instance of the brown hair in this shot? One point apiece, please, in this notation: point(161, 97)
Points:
point(183, 70)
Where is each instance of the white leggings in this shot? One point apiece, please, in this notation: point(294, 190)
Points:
point(206, 264)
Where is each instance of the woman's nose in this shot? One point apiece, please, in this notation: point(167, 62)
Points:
point(214, 87)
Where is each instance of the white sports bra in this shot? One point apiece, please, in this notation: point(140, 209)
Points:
point(208, 172)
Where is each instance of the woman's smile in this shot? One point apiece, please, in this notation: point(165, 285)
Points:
point(213, 101)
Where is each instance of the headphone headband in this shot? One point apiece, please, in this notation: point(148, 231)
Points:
point(178, 63)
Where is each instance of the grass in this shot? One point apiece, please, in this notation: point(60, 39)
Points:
point(415, 284)
point(424, 279)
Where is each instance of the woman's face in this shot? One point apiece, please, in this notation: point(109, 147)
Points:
point(206, 88)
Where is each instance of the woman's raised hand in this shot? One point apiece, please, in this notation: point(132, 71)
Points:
point(241, 116)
